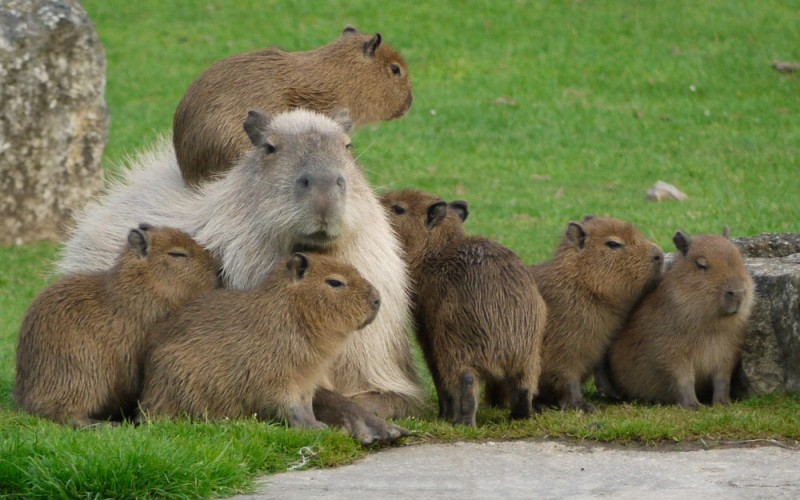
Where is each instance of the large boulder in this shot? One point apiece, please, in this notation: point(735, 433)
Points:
point(53, 117)
point(769, 245)
point(771, 354)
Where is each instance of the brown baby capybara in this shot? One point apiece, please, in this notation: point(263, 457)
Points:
point(299, 188)
point(685, 337)
point(601, 269)
point(82, 340)
point(477, 311)
point(262, 352)
point(358, 72)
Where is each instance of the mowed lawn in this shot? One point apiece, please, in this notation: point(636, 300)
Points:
point(536, 113)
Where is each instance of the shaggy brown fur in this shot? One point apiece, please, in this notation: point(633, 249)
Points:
point(478, 312)
point(601, 269)
point(82, 340)
point(259, 352)
point(686, 336)
point(357, 72)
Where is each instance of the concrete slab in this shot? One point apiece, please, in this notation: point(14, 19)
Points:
point(522, 469)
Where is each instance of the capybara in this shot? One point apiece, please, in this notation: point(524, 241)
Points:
point(358, 72)
point(298, 189)
point(478, 313)
point(601, 269)
point(685, 337)
point(263, 351)
point(82, 340)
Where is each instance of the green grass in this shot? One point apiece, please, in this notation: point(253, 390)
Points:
point(535, 112)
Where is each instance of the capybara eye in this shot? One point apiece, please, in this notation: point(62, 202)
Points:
point(349, 145)
point(334, 283)
point(398, 209)
point(178, 254)
point(270, 148)
point(395, 69)
point(613, 244)
point(701, 263)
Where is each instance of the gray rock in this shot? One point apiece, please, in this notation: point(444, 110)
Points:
point(769, 245)
point(53, 116)
point(771, 354)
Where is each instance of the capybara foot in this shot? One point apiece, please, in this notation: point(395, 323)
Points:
point(335, 409)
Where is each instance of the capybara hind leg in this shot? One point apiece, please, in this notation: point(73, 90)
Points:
point(467, 406)
point(572, 398)
point(687, 397)
point(722, 389)
point(521, 406)
point(387, 404)
point(334, 409)
point(602, 381)
point(495, 393)
point(300, 414)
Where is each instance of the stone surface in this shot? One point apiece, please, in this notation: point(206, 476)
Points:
point(771, 354)
point(769, 245)
point(522, 469)
point(53, 116)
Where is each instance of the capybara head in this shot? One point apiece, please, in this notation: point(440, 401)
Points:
point(423, 222)
point(710, 271)
point(300, 168)
point(611, 258)
point(329, 294)
point(167, 263)
point(383, 69)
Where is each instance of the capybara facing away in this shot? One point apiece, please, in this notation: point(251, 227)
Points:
point(601, 268)
point(82, 340)
point(299, 188)
point(685, 337)
point(262, 352)
point(358, 72)
point(478, 313)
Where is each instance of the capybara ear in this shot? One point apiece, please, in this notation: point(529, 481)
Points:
point(576, 235)
point(144, 226)
point(349, 30)
point(372, 45)
point(437, 211)
point(682, 242)
point(461, 208)
point(297, 266)
point(342, 117)
point(726, 232)
point(138, 242)
point(257, 126)
point(587, 218)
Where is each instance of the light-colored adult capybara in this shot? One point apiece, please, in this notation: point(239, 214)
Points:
point(477, 311)
point(298, 188)
point(81, 343)
point(601, 269)
point(685, 337)
point(359, 72)
point(263, 351)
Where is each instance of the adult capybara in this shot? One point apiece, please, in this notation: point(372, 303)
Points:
point(358, 72)
point(82, 340)
point(601, 269)
point(478, 313)
point(685, 337)
point(262, 352)
point(298, 188)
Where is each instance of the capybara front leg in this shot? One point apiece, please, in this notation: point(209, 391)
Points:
point(572, 397)
point(467, 406)
point(335, 409)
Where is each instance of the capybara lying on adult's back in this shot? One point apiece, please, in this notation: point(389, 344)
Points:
point(685, 337)
point(82, 340)
point(264, 351)
point(358, 72)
